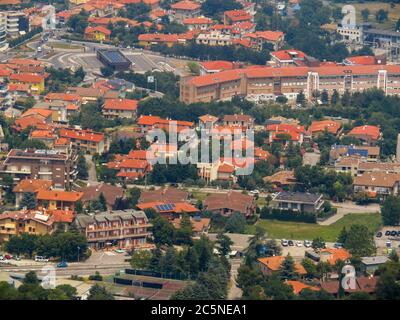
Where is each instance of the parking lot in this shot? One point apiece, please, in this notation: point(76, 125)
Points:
point(389, 239)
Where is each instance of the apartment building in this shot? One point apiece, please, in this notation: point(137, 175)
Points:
point(298, 201)
point(52, 165)
point(185, 9)
point(377, 184)
point(86, 140)
point(17, 23)
point(267, 83)
point(214, 39)
point(14, 223)
point(3, 32)
point(123, 229)
point(120, 108)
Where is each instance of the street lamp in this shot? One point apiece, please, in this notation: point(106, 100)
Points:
point(79, 248)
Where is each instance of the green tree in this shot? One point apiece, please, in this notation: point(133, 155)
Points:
point(360, 241)
point(102, 202)
point(98, 292)
point(318, 244)
point(82, 167)
point(365, 14)
point(107, 71)
point(141, 259)
point(183, 235)
point(163, 231)
point(236, 223)
point(224, 244)
point(381, 15)
point(390, 211)
point(28, 201)
point(287, 270)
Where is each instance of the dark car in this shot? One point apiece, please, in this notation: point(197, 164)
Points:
point(291, 243)
point(62, 264)
point(379, 234)
point(387, 233)
point(393, 233)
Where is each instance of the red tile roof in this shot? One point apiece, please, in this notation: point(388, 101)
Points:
point(120, 104)
point(300, 286)
point(288, 55)
point(237, 15)
point(197, 20)
point(329, 125)
point(362, 60)
point(59, 195)
point(100, 29)
point(372, 131)
point(274, 264)
point(335, 254)
point(218, 65)
point(266, 35)
point(185, 5)
point(62, 96)
point(32, 185)
point(85, 135)
point(27, 77)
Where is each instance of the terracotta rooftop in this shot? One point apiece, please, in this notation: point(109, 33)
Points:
point(185, 5)
point(59, 195)
point(274, 264)
point(32, 185)
point(120, 104)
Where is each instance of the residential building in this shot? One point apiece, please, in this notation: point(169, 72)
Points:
point(285, 58)
point(230, 202)
point(298, 201)
point(111, 193)
point(123, 229)
point(52, 165)
point(273, 264)
point(285, 133)
point(120, 108)
point(241, 120)
point(333, 255)
point(214, 39)
point(348, 164)
point(169, 210)
point(3, 32)
point(29, 186)
point(371, 264)
point(362, 284)
point(98, 33)
point(209, 67)
point(198, 23)
point(318, 127)
point(86, 140)
point(185, 9)
point(368, 134)
point(207, 122)
point(281, 179)
point(371, 154)
point(235, 16)
point(17, 23)
point(13, 223)
point(147, 123)
point(200, 225)
point(266, 83)
point(299, 286)
point(259, 39)
point(35, 81)
point(167, 195)
point(364, 60)
point(377, 184)
point(57, 199)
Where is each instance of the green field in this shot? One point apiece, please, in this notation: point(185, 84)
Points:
point(302, 231)
point(60, 45)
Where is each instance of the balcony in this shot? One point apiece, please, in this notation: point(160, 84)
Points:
point(118, 237)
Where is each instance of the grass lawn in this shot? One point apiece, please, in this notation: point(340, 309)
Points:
point(373, 7)
point(59, 45)
point(302, 231)
point(199, 195)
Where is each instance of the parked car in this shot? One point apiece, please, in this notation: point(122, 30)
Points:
point(41, 259)
point(389, 244)
point(299, 244)
point(379, 234)
point(338, 245)
point(291, 243)
point(8, 257)
point(284, 243)
point(307, 243)
point(1, 257)
point(393, 233)
point(387, 233)
point(62, 264)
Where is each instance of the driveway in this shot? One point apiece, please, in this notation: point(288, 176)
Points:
point(92, 179)
point(234, 293)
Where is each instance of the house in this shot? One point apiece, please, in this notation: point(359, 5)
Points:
point(86, 140)
point(92, 94)
point(298, 201)
point(148, 39)
point(242, 120)
point(147, 123)
point(130, 169)
point(41, 164)
point(48, 137)
point(285, 132)
point(319, 127)
point(371, 264)
point(230, 202)
point(207, 122)
point(197, 23)
point(29, 186)
point(170, 195)
point(200, 225)
point(111, 194)
point(348, 164)
point(35, 81)
point(368, 134)
point(371, 154)
point(259, 39)
point(364, 60)
point(214, 38)
point(273, 264)
point(185, 9)
point(333, 255)
point(362, 284)
point(122, 229)
point(61, 96)
point(97, 33)
point(120, 108)
point(377, 184)
point(58, 199)
point(14, 223)
point(281, 179)
point(169, 210)
point(299, 286)
point(235, 16)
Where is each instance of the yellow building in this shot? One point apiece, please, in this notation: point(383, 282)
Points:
point(77, 2)
point(98, 33)
point(35, 81)
point(17, 222)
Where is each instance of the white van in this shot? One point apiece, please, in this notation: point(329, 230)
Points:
point(41, 259)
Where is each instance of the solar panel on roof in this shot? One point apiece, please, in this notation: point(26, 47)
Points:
point(114, 56)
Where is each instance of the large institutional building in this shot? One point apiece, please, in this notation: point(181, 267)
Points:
point(267, 83)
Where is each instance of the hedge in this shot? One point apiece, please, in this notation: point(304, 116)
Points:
point(287, 215)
